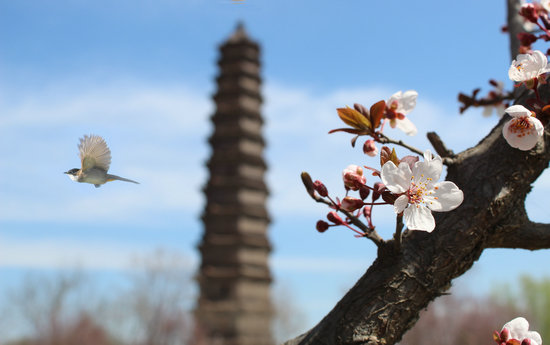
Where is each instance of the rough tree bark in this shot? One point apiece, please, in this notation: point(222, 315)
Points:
point(387, 299)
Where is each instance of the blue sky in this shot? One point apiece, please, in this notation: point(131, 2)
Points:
point(141, 73)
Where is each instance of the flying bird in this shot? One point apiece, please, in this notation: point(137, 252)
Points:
point(95, 158)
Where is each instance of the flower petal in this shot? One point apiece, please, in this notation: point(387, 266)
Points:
point(445, 196)
point(400, 204)
point(518, 327)
point(419, 217)
point(429, 170)
point(535, 337)
point(407, 102)
point(396, 179)
point(518, 111)
point(406, 126)
point(540, 60)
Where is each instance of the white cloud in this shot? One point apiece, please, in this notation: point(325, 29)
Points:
point(64, 253)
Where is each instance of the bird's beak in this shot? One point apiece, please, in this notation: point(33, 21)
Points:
point(66, 172)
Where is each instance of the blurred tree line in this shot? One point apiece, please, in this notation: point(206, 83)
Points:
point(152, 307)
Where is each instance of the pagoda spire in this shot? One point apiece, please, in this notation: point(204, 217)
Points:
point(234, 306)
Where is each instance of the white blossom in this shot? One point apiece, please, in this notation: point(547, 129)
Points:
point(523, 130)
point(528, 66)
point(420, 191)
point(519, 330)
point(403, 103)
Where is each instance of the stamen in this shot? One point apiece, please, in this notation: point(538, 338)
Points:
point(521, 126)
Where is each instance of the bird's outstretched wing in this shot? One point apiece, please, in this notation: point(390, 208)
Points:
point(94, 153)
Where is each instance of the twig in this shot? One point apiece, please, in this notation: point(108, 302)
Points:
point(385, 140)
point(439, 145)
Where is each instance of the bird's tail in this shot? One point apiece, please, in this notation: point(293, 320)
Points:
point(114, 178)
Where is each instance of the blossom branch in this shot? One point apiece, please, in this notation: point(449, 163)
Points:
point(472, 100)
point(383, 139)
point(368, 232)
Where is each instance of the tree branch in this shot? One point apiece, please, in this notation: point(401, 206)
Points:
point(439, 146)
point(529, 235)
point(370, 233)
point(514, 25)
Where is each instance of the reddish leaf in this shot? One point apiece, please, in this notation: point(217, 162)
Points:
point(385, 154)
point(354, 118)
point(376, 113)
point(347, 130)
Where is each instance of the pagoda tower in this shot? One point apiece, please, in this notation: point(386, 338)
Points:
point(234, 306)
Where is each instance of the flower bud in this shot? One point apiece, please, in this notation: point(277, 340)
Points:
point(335, 218)
point(545, 20)
point(364, 192)
point(526, 39)
point(353, 177)
point(351, 204)
point(505, 334)
point(321, 226)
point(308, 183)
point(378, 189)
point(388, 197)
point(320, 188)
point(526, 341)
point(529, 12)
point(369, 148)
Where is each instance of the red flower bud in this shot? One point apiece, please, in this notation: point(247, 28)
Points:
point(529, 12)
point(526, 341)
point(353, 177)
point(526, 39)
point(351, 204)
point(320, 188)
point(505, 334)
point(364, 192)
point(388, 197)
point(321, 226)
point(369, 148)
point(378, 189)
point(335, 218)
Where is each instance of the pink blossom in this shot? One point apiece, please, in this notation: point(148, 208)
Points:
point(353, 177)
